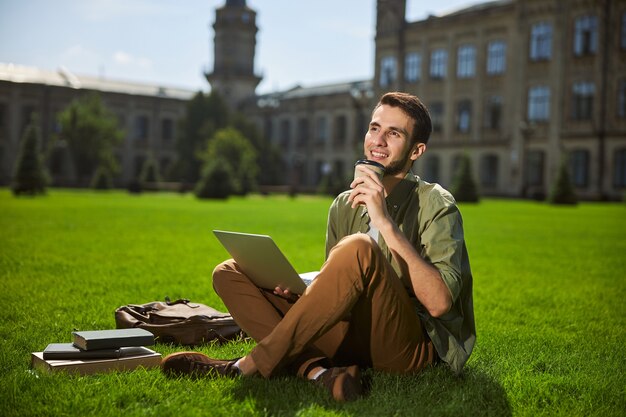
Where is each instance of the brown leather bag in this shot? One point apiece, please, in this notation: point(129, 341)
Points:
point(179, 322)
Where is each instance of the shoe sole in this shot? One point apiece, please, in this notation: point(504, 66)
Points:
point(347, 386)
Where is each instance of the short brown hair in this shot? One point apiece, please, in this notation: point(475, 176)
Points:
point(415, 109)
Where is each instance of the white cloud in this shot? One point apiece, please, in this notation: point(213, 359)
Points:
point(126, 59)
point(80, 59)
point(122, 58)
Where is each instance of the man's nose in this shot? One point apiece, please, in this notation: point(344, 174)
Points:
point(378, 138)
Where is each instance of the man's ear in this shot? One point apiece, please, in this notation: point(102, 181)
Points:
point(418, 149)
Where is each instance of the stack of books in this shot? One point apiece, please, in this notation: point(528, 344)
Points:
point(99, 351)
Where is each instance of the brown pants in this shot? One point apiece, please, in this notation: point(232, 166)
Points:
point(355, 312)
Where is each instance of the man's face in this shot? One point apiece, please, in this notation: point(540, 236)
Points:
point(388, 140)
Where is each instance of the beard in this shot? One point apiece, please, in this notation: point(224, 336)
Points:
point(397, 166)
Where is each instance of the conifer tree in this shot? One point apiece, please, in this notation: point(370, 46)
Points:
point(562, 191)
point(463, 185)
point(102, 179)
point(30, 174)
point(150, 175)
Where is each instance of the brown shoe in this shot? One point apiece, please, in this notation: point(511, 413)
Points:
point(344, 384)
point(198, 364)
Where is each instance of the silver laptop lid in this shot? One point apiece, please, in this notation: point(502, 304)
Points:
point(261, 260)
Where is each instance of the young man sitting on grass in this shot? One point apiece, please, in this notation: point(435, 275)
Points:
point(395, 292)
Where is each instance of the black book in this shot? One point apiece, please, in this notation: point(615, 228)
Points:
point(58, 351)
point(111, 339)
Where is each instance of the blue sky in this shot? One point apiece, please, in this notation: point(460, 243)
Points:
point(170, 42)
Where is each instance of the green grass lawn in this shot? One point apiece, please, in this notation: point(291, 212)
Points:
point(549, 294)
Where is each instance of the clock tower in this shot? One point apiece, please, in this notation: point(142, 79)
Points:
point(233, 74)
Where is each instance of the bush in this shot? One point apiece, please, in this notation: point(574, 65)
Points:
point(216, 181)
point(134, 187)
point(463, 186)
point(30, 175)
point(563, 191)
point(230, 146)
point(149, 172)
point(102, 179)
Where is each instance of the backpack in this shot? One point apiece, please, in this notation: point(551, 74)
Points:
point(179, 322)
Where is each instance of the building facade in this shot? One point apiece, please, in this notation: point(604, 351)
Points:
point(319, 130)
point(518, 85)
point(148, 115)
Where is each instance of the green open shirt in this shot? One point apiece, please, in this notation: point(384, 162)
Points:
point(429, 218)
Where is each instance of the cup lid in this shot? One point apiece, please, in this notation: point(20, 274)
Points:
point(369, 162)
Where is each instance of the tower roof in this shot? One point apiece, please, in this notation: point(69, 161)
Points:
point(235, 3)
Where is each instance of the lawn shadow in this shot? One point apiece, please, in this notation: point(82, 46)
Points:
point(435, 392)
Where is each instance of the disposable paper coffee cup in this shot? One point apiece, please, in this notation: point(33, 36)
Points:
point(373, 165)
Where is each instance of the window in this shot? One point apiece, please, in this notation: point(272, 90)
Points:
point(579, 167)
point(438, 63)
point(466, 61)
point(541, 41)
point(431, 168)
point(322, 129)
point(436, 116)
point(619, 168)
point(621, 99)
point(586, 35)
point(464, 116)
point(534, 168)
point(340, 131)
point(165, 167)
point(623, 34)
point(285, 134)
point(339, 171)
point(456, 165)
point(388, 71)
point(303, 132)
point(413, 67)
point(3, 121)
point(141, 127)
point(493, 113)
point(322, 169)
point(489, 171)
point(138, 163)
point(27, 113)
point(167, 129)
point(268, 128)
point(539, 104)
point(582, 101)
point(496, 57)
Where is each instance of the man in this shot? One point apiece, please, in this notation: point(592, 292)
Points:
point(395, 292)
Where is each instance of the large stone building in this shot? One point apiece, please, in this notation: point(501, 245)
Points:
point(148, 115)
point(516, 84)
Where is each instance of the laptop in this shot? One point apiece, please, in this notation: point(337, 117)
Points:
point(261, 260)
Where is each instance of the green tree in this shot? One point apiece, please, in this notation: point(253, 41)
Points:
point(102, 179)
point(269, 157)
point(463, 185)
point(150, 172)
point(30, 175)
point(217, 180)
point(205, 114)
point(231, 146)
point(562, 191)
point(91, 133)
